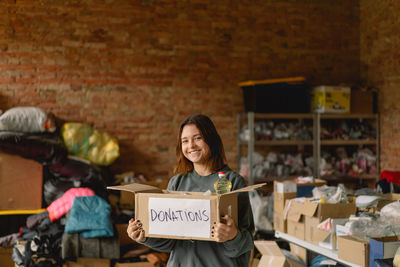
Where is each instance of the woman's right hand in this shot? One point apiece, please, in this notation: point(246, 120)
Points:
point(135, 231)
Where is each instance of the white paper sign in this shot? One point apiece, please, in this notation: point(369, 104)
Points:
point(180, 217)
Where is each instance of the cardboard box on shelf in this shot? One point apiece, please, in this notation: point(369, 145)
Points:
point(273, 256)
point(312, 233)
point(181, 215)
point(320, 237)
point(287, 186)
point(363, 101)
point(305, 189)
point(21, 183)
point(324, 211)
point(382, 248)
point(298, 211)
point(280, 223)
point(353, 249)
point(331, 99)
point(294, 187)
point(280, 200)
point(295, 219)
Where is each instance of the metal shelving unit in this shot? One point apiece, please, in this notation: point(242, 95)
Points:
point(332, 254)
point(316, 143)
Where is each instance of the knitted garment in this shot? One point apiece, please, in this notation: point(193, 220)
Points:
point(90, 216)
point(63, 204)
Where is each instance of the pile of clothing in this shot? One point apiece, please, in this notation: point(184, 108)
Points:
point(78, 220)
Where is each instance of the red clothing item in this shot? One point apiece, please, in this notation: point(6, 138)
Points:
point(63, 204)
point(391, 176)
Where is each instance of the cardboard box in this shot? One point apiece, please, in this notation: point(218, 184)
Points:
point(353, 249)
point(319, 237)
point(327, 210)
point(300, 252)
point(88, 262)
point(280, 224)
point(312, 233)
point(280, 200)
point(301, 189)
point(297, 212)
point(5, 257)
point(382, 248)
point(21, 183)
point(331, 99)
point(363, 101)
point(181, 215)
point(273, 256)
point(295, 220)
point(326, 239)
point(126, 199)
point(305, 189)
point(287, 186)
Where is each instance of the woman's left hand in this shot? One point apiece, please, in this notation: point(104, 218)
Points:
point(225, 230)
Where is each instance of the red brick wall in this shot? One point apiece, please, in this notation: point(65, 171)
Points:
point(136, 69)
point(380, 67)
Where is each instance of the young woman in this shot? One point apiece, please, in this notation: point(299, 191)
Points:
point(200, 156)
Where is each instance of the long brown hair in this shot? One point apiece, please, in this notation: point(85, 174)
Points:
point(212, 139)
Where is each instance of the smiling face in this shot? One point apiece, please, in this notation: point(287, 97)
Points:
point(194, 147)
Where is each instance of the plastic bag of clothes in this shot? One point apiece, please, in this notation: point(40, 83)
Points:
point(28, 120)
point(88, 143)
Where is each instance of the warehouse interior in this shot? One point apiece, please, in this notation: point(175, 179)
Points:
point(125, 74)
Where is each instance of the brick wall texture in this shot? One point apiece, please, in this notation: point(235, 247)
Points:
point(136, 69)
point(380, 67)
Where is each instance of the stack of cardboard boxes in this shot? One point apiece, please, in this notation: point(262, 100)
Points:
point(300, 219)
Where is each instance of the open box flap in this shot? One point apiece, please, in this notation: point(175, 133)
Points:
point(247, 188)
point(310, 208)
point(136, 188)
point(293, 210)
point(268, 248)
point(143, 188)
point(271, 254)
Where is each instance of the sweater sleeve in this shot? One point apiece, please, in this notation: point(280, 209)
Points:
point(160, 244)
point(243, 242)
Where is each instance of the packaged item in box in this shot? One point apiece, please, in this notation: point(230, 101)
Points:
point(331, 99)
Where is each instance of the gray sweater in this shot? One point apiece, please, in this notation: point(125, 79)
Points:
point(194, 253)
